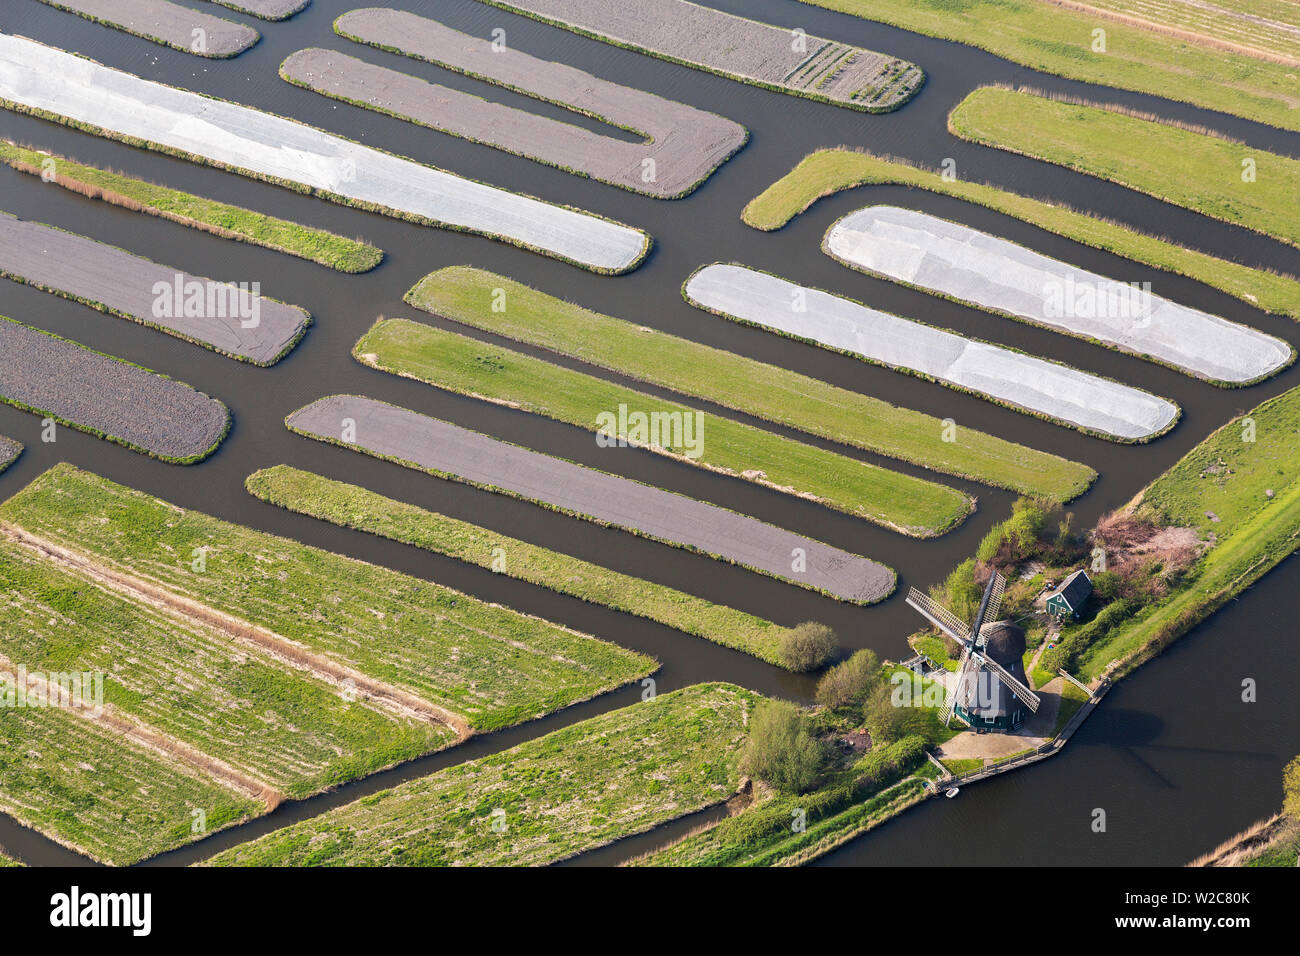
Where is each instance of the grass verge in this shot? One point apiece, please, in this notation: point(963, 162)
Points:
point(467, 366)
point(573, 790)
point(468, 295)
point(1052, 39)
point(352, 506)
point(207, 215)
point(828, 171)
point(1213, 175)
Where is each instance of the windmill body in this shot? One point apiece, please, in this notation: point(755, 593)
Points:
point(990, 692)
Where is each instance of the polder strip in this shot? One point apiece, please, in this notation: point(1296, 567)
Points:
point(1213, 175)
point(458, 454)
point(466, 366)
point(1048, 390)
point(78, 92)
point(352, 506)
point(104, 396)
point(828, 171)
point(493, 666)
point(168, 24)
point(673, 755)
point(469, 296)
point(207, 215)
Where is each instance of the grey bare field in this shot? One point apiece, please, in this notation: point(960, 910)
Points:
point(116, 400)
point(682, 147)
point(167, 23)
point(786, 60)
point(111, 280)
point(1046, 389)
point(459, 454)
point(9, 451)
point(79, 92)
point(953, 260)
point(266, 9)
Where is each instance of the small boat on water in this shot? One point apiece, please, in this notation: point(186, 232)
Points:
point(951, 792)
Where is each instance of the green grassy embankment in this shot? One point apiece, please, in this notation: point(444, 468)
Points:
point(467, 366)
point(1049, 38)
point(467, 295)
point(1134, 151)
point(573, 790)
point(207, 215)
point(355, 507)
point(829, 171)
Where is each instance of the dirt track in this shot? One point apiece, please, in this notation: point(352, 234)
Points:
point(80, 268)
point(167, 23)
point(121, 401)
point(467, 456)
point(685, 144)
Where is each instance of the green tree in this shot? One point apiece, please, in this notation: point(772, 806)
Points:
point(851, 681)
point(781, 751)
point(885, 721)
point(1291, 789)
point(807, 646)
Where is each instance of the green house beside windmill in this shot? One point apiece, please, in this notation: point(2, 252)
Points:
point(1068, 600)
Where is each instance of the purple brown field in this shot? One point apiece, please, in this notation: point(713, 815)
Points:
point(266, 9)
point(223, 317)
point(458, 454)
point(170, 24)
point(785, 60)
point(107, 397)
point(9, 451)
point(681, 146)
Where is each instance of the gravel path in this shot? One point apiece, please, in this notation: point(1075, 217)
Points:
point(120, 401)
point(685, 144)
point(167, 23)
point(743, 49)
point(1023, 381)
point(67, 264)
point(464, 455)
point(9, 451)
point(39, 77)
point(966, 264)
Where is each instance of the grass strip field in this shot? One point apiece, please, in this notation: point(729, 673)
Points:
point(8, 861)
point(1265, 28)
point(206, 215)
point(78, 92)
point(954, 261)
point(170, 24)
point(236, 321)
point(467, 295)
point(491, 666)
point(352, 506)
point(1048, 390)
point(704, 38)
point(1211, 176)
point(85, 787)
point(466, 366)
point(828, 171)
point(1243, 496)
point(227, 700)
point(106, 397)
point(548, 799)
point(266, 9)
point(453, 453)
point(9, 451)
point(1050, 38)
point(681, 146)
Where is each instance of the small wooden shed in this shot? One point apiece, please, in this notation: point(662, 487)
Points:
point(1068, 600)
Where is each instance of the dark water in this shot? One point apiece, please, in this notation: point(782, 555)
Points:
point(1154, 710)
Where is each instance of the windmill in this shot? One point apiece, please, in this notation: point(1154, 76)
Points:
point(989, 655)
